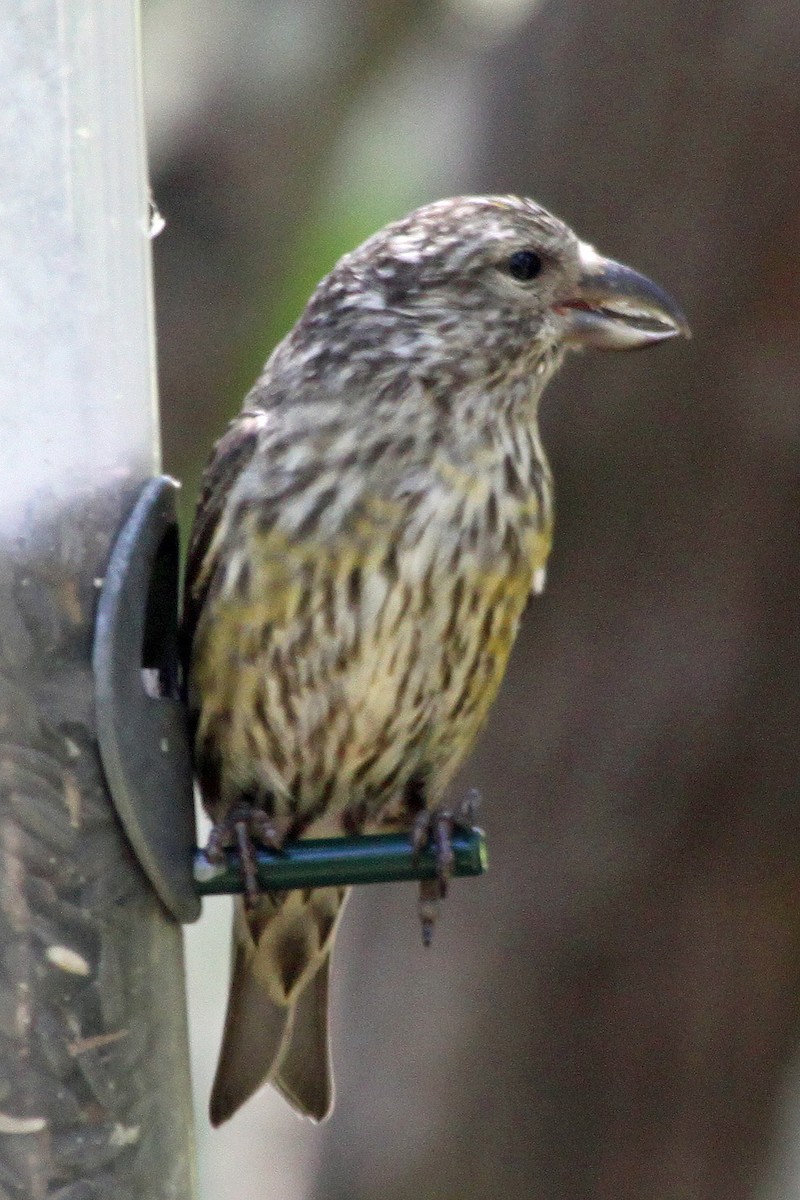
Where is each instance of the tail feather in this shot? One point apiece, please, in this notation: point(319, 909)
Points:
point(304, 1075)
point(256, 1029)
point(276, 1026)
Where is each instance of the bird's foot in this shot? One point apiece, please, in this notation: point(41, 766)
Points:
point(436, 827)
point(243, 826)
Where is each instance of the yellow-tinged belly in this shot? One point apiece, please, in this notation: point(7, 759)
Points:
point(344, 670)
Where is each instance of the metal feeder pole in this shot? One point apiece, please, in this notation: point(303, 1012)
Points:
point(94, 1078)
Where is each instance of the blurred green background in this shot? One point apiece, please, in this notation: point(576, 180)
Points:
point(613, 1011)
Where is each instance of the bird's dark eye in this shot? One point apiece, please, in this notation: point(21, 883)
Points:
point(524, 264)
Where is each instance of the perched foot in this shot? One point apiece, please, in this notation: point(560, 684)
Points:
point(242, 826)
point(435, 827)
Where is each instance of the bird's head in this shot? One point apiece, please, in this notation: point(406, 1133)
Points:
point(478, 287)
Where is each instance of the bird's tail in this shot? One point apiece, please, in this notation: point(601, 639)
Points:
point(304, 1074)
point(276, 1026)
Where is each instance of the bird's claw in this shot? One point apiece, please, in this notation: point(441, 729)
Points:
point(428, 907)
point(242, 827)
point(436, 827)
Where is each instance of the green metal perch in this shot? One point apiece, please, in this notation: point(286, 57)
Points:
point(331, 862)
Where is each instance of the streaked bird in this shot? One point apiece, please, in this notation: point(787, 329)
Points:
point(369, 530)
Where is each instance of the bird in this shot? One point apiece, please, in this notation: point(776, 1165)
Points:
point(368, 533)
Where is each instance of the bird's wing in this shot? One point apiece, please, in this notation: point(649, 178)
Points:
point(229, 458)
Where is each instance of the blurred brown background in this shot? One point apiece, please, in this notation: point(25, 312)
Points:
point(613, 1011)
